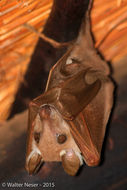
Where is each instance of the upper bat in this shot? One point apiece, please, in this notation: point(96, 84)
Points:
point(67, 123)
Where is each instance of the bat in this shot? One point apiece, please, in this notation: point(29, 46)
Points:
point(67, 122)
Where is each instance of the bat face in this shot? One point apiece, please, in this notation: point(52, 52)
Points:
point(52, 141)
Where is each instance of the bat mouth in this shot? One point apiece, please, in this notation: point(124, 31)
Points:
point(34, 163)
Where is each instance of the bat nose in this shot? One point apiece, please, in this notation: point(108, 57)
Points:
point(70, 161)
point(34, 163)
point(45, 112)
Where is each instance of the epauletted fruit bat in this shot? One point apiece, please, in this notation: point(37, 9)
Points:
point(67, 122)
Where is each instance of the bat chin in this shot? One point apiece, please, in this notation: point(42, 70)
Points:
point(34, 162)
point(71, 161)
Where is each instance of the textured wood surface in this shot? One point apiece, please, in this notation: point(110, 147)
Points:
point(17, 44)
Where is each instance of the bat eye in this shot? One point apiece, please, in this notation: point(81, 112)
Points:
point(37, 137)
point(61, 138)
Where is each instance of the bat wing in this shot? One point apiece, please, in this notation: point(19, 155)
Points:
point(76, 94)
point(71, 97)
point(88, 128)
point(33, 110)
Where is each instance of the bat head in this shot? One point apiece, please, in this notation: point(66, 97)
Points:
point(51, 140)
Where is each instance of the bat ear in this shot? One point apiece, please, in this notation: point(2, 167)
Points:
point(76, 93)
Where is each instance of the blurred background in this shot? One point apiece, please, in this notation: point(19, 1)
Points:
point(25, 60)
